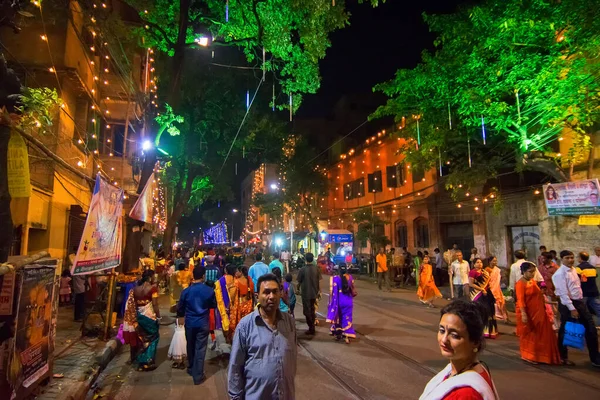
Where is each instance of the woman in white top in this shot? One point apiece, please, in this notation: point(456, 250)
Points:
point(460, 338)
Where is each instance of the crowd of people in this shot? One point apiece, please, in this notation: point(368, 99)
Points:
point(250, 304)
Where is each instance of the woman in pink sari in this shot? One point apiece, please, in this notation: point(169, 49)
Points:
point(339, 311)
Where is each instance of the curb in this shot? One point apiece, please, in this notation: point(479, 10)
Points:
point(105, 356)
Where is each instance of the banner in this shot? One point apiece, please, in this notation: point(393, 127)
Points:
point(573, 198)
point(19, 184)
point(589, 220)
point(144, 206)
point(7, 291)
point(30, 357)
point(100, 245)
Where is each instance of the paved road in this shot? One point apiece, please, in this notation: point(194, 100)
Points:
point(394, 357)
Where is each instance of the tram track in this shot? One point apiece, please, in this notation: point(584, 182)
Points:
point(544, 368)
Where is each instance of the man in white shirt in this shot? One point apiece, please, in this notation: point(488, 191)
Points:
point(459, 273)
point(515, 273)
point(567, 288)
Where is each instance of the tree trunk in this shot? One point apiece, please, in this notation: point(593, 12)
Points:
point(180, 206)
point(6, 224)
point(168, 236)
point(179, 56)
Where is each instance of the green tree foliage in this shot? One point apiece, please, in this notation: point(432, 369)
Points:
point(301, 186)
point(368, 225)
point(293, 34)
point(201, 135)
point(523, 70)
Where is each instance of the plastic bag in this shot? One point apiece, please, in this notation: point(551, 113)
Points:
point(574, 335)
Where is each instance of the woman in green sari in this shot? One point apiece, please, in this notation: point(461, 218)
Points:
point(141, 322)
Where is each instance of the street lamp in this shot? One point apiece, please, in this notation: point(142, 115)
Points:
point(274, 186)
point(146, 145)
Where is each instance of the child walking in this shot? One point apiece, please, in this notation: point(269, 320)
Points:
point(65, 287)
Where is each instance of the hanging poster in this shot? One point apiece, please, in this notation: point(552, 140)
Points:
point(19, 184)
point(573, 198)
point(7, 290)
point(100, 245)
point(31, 353)
point(143, 207)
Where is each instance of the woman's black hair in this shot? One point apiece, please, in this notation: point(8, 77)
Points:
point(526, 266)
point(472, 315)
point(475, 261)
point(288, 278)
point(66, 273)
point(230, 269)
point(244, 270)
point(277, 272)
point(345, 285)
point(147, 276)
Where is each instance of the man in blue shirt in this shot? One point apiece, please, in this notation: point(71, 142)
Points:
point(212, 275)
point(264, 353)
point(257, 270)
point(276, 263)
point(195, 304)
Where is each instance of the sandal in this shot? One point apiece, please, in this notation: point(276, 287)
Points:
point(567, 363)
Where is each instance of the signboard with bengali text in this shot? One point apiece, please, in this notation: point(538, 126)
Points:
point(573, 198)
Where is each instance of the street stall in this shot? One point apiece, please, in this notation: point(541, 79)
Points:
point(339, 242)
point(28, 314)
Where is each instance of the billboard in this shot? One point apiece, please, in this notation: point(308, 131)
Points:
point(572, 198)
point(100, 245)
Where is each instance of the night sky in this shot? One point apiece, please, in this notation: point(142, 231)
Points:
point(378, 42)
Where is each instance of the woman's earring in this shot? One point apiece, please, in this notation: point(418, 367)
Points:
point(475, 350)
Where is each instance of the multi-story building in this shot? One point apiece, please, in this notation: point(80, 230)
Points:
point(262, 180)
point(374, 175)
point(421, 214)
point(95, 130)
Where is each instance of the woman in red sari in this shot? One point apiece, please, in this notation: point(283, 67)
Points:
point(537, 339)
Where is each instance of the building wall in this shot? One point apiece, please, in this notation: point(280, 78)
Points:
point(556, 233)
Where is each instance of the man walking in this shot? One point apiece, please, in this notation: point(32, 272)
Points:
point(276, 264)
point(382, 270)
point(309, 280)
point(571, 306)
point(262, 364)
point(588, 284)
point(195, 304)
point(459, 273)
point(257, 270)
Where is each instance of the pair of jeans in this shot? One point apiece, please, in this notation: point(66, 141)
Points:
point(593, 303)
point(308, 308)
point(197, 340)
point(79, 307)
point(585, 318)
point(383, 276)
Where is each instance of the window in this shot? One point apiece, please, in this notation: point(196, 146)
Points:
point(417, 175)
point(421, 226)
point(347, 191)
point(354, 189)
point(375, 184)
point(401, 234)
point(395, 175)
point(358, 188)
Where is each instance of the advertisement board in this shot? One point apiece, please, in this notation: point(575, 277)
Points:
point(100, 245)
point(572, 198)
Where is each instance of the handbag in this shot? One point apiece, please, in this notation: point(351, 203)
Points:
point(574, 335)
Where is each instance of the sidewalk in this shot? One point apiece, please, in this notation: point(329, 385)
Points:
point(76, 360)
